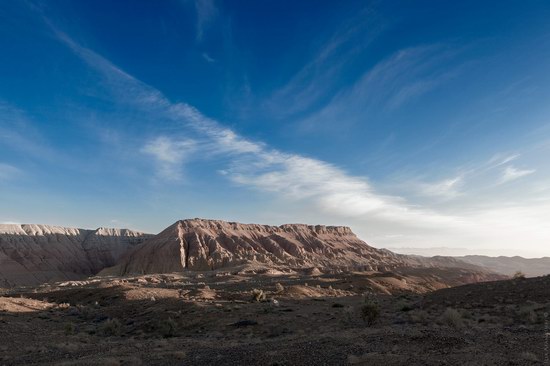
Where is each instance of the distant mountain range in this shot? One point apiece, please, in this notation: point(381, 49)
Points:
point(531, 267)
point(34, 254)
point(507, 265)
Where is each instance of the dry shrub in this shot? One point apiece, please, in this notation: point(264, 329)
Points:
point(419, 316)
point(529, 356)
point(111, 327)
point(452, 318)
point(528, 314)
point(258, 295)
point(69, 329)
point(370, 311)
point(168, 327)
point(179, 355)
point(66, 347)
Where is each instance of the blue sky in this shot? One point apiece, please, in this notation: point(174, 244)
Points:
point(418, 124)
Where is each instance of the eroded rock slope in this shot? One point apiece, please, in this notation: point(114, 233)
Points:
point(199, 244)
point(33, 254)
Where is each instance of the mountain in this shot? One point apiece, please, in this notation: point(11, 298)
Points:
point(199, 244)
point(531, 267)
point(33, 254)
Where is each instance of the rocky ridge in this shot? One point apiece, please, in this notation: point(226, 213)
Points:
point(33, 254)
point(200, 245)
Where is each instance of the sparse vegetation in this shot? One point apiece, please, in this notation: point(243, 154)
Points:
point(111, 327)
point(84, 311)
point(528, 314)
point(419, 316)
point(529, 356)
point(404, 305)
point(370, 311)
point(519, 275)
point(452, 318)
point(396, 329)
point(69, 328)
point(168, 327)
point(258, 295)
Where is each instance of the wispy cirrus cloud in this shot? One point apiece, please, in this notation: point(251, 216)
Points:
point(169, 155)
point(17, 131)
point(393, 82)
point(502, 159)
point(511, 173)
point(254, 164)
point(8, 172)
point(314, 80)
point(208, 58)
point(445, 189)
point(206, 12)
point(319, 186)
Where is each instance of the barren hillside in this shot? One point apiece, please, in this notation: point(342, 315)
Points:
point(33, 254)
point(199, 244)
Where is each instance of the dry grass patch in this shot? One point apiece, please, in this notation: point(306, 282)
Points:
point(452, 318)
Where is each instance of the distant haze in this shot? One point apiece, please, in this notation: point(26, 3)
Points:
point(459, 252)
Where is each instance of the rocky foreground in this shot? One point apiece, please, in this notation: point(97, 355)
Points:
point(218, 318)
point(205, 292)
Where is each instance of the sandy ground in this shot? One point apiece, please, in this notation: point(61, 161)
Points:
point(316, 319)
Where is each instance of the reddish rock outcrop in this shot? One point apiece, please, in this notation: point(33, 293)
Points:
point(212, 244)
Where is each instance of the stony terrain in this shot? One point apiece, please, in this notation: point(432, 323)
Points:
point(220, 318)
point(34, 254)
point(205, 292)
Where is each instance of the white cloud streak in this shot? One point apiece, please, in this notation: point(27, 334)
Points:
point(17, 133)
point(445, 189)
point(169, 155)
point(254, 164)
point(393, 82)
point(207, 58)
point(500, 159)
point(206, 12)
point(8, 172)
point(511, 173)
point(312, 82)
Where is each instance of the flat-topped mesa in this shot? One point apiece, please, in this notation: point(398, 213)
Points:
point(33, 254)
point(199, 244)
point(38, 230)
point(197, 223)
